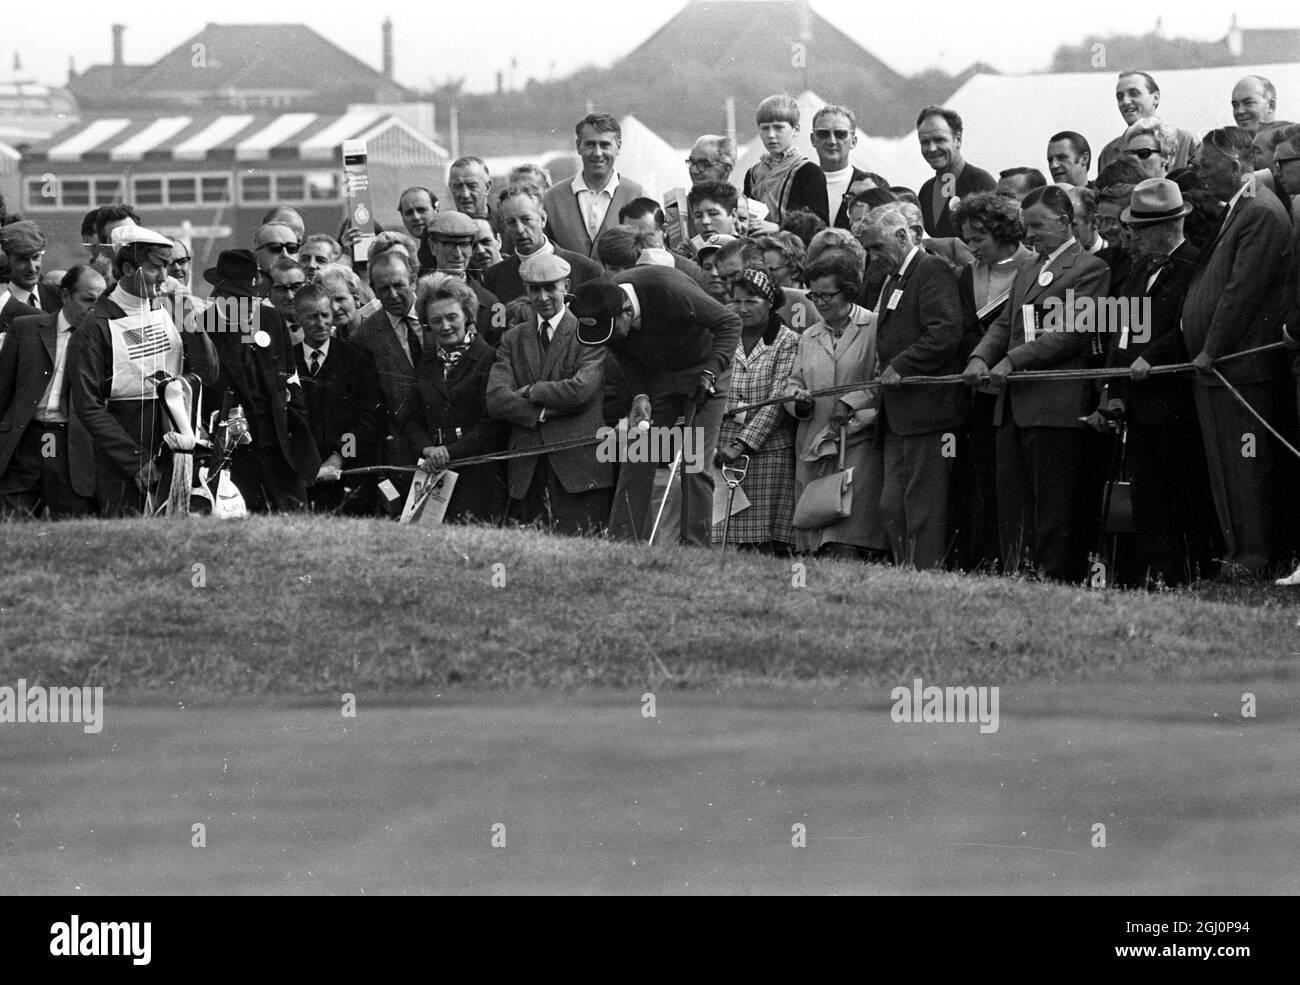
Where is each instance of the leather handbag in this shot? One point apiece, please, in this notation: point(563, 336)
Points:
point(828, 499)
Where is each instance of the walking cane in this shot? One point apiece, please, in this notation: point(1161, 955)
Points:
point(733, 474)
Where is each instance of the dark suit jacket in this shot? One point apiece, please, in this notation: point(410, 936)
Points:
point(565, 224)
point(1057, 404)
point(491, 320)
point(502, 279)
point(51, 299)
point(971, 179)
point(343, 399)
point(457, 400)
point(920, 337)
point(1238, 300)
point(13, 308)
point(277, 375)
point(681, 327)
point(374, 336)
point(1158, 401)
point(568, 381)
point(26, 365)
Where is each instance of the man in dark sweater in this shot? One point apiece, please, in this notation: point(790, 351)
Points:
point(675, 345)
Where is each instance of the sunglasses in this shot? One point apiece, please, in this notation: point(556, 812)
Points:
point(180, 261)
point(1141, 152)
point(826, 134)
point(280, 247)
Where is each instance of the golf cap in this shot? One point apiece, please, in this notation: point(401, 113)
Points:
point(133, 235)
point(546, 269)
point(714, 243)
point(596, 304)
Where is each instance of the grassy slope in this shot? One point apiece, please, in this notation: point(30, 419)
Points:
point(318, 606)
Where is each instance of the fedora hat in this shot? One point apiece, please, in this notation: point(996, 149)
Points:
point(235, 273)
point(1155, 200)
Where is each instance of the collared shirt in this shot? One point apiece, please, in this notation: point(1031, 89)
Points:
point(399, 329)
point(24, 295)
point(552, 325)
point(1097, 246)
point(52, 409)
point(1232, 204)
point(1164, 262)
point(324, 351)
point(1051, 257)
point(630, 291)
point(592, 204)
point(907, 260)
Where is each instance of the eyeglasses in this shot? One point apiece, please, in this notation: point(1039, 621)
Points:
point(1141, 152)
point(826, 134)
point(283, 289)
point(281, 247)
point(700, 163)
point(816, 298)
point(179, 261)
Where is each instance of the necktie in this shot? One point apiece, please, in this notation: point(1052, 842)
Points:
point(413, 340)
point(315, 361)
point(544, 336)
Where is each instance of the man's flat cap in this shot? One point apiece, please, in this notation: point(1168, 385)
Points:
point(452, 225)
point(546, 269)
point(22, 238)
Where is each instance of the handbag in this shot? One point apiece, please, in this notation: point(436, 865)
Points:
point(828, 499)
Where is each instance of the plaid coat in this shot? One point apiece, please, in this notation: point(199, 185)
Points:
point(769, 482)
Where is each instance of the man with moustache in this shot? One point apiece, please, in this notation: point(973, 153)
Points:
point(46, 455)
point(939, 131)
point(583, 206)
point(1254, 102)
point(1068, 158)
point(1237, 302)
point(485, 250)
point(523, 217)
point(1138, 97)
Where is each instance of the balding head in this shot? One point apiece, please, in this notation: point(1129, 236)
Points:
point(712, 159)
point(1254, 101)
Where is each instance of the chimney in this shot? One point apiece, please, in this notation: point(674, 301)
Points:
point(388, 47)
point(118, 30)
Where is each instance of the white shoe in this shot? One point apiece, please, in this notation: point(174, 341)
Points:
point(1292, 579)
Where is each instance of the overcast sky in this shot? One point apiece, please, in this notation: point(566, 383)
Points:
point(475, 39)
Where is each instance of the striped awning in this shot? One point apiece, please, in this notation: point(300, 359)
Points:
point(220, 137)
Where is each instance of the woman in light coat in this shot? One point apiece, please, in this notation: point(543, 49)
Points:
point(838, 349)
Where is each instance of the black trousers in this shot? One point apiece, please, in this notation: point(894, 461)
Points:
point(546, 503)
point(38, 476)
point(266, 481)
point(1038, 483)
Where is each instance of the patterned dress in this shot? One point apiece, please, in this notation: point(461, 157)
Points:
point(769, 483)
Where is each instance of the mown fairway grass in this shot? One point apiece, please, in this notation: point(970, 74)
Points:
point(312, 606)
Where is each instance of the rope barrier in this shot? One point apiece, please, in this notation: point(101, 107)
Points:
point(1022, 376)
